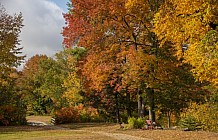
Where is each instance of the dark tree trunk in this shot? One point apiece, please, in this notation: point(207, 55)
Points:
point(150, 93)
point(168, 119)
point(117, 108)
point(129, 112)
point(140, 108)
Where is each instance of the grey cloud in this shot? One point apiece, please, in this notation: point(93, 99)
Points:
point(43, 22)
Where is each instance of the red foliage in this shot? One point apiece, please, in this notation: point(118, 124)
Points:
point(66, 115)
point(10, 115)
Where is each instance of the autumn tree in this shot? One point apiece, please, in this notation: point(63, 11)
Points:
point(192, 28)
point(31, 84)
point(10, 29)
point(74, 80)
point(110, 32)
point(50, 77)
point(176, 87)
point(12, 109)
point(124, 57)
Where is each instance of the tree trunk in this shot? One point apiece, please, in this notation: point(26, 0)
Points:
point(129, 112)
point(143, 108)
point(117, 108)
point(150, 93)
point(168, 119)
point(140, 110)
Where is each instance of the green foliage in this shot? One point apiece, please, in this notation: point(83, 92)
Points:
point(73, 82)
point(43, 79)
point(51, 75)
point(78, 52)
point(134, 123)
point(190, 123)
point(10, 29)
point(30, 84)
point(42, 106)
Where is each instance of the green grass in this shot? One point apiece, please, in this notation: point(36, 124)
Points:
point(37, 133)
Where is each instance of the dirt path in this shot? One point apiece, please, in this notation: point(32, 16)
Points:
point(116, 136)
point(121, 136)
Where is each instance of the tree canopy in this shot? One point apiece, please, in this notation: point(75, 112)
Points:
point(192, 27)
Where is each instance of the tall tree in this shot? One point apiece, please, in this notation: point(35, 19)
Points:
point(10, 29)
point(124, 53)
point(51, 75)
point(12, 108)
point(74, 80)
point(110, 32)
point(31, 84)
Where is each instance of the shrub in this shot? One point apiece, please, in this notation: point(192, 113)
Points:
point(140, 123)
point(11, 115)
point(205, 115)
point(135, 123)
point(66, 115)
point(76, 114)
point(87, 114)
point(190, 123)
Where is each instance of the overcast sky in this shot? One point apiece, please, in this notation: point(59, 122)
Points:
point(43, 23)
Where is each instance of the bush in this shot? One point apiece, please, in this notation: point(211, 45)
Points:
point(66, 115)
point(135, 123)
point(87, 114)
point(11, 115)
point(205, 115)
point(76, 114)
point(190, 123)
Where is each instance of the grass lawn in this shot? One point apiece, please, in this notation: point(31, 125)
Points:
point(46, 133)
point(93, 131)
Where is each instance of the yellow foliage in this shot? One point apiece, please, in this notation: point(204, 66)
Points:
point(206, 114)
point(204, 57)
point(189, 22)
point(72, 83)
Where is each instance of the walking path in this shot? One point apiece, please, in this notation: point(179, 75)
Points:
point(121, 136)
point(112, 135)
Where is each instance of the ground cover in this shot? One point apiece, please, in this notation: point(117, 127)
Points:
point(47, 133)
point(95, 131)
point(149, 134)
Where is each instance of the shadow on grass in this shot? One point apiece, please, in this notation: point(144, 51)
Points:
point(72, 126)
point(8, 129)
point(75, 126)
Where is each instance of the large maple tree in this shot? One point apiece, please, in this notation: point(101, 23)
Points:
point(123, 51)
point(108, 30)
